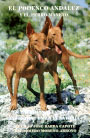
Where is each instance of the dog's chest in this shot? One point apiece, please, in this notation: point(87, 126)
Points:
point(48, 63)
point(45, 66)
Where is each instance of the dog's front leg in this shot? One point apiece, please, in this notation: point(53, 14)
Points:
point(14, 98)
point(42, 98)
point(57, 84)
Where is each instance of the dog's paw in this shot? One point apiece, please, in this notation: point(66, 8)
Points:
point(76, 92)
point(13, 105)
point(43, 106)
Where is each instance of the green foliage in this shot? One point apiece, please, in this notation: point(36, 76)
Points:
point(1, 67)
point(12, 23)
point(10, 51)
point(88, 16)
point(72, 38)
point(58, 2)
point(65, 84)
point(87, 1)
point(26, 1)
point(10, 43)
point(21, 35)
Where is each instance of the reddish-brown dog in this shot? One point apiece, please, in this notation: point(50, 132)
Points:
point(24, 63)
point(55, 40)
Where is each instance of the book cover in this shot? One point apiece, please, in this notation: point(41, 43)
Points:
point(30, 31)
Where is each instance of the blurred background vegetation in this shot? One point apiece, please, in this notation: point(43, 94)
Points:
point(76, 28)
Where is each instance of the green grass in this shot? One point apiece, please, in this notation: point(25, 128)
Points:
point(81, 69)
point(73, 38)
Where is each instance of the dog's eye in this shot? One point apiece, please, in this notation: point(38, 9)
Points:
point(36, 40)
point(53, 34)
point(49, 40)
point(44, 41)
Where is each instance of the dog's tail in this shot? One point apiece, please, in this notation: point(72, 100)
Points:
point(77, 55)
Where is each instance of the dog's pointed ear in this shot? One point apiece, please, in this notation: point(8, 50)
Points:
point(46, 26)
point(60, 23)
point(49, 21)
point(29, 29)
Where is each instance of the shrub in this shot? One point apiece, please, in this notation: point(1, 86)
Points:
point(12, 23)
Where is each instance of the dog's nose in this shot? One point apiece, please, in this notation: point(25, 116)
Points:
point(43, 50)
point(62, 43)
point(46, 48)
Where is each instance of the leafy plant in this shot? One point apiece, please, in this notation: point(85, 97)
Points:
point(12, 23)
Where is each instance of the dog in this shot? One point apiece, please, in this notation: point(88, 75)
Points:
point(56, 41)
point(24, 64)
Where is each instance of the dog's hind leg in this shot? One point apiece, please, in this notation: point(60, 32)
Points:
point(29, 82)
point(68, 68)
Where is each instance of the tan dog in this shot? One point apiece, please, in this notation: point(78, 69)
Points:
point(55, 40)
point(24, 63)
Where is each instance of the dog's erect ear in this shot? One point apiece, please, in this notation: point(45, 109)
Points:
point(29, 29)
point(60, 23)
point(49, 21)
point(46, 26)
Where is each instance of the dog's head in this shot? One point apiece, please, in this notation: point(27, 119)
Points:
point(37, 41)
point(55, 35)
